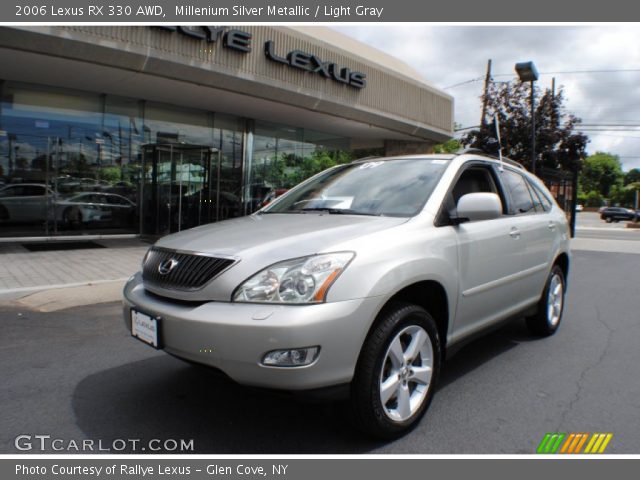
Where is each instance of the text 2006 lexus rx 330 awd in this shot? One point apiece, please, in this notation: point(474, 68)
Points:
point(359, 279)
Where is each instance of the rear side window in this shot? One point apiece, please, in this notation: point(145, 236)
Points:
point(517, 189)
point(33, 191)
point(11, 192)
point(539, 197)
point(23, 191)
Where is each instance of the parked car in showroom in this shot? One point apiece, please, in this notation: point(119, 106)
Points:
point(25, 202)
point(615, 214)
point(87, 207)
point(360, 280)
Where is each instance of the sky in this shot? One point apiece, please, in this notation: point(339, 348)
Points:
point(446, 56)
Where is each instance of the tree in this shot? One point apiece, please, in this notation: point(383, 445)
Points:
point(450, 146)
point(625, 196)
point(558, 145)
point(601, 172)
point(632, 176)
point(287, 169)
point(110, 174)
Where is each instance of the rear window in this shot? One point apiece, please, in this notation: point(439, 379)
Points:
point(518, 191)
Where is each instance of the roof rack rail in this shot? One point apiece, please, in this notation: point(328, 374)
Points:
point(372, 157)
point(462, 151)
point(507, 160)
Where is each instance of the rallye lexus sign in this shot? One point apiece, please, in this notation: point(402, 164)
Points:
point(241, 41)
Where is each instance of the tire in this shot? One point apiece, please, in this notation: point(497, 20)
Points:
point(399, 325)
point(608, 219)
point(72, 217)
point(550, 307)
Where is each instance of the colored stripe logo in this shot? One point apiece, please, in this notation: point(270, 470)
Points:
point(574, 443)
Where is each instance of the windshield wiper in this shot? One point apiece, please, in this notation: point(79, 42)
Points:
point(338, 211)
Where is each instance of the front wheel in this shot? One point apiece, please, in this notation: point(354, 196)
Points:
point(397, 371)
point(608, 219)
point(551, 306)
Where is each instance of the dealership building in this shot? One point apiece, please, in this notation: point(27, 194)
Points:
point(143, 130)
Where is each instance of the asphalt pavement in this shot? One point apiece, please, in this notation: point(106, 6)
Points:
point(77, 374)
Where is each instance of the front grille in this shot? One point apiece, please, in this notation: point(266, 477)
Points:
point(191, 272)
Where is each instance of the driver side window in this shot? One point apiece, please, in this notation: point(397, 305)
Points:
point(474, 179)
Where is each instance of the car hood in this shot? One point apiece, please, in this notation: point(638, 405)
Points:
point(280, 236)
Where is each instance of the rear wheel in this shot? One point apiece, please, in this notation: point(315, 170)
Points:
point(397, 372)
point(72, 217)
point(551, 306)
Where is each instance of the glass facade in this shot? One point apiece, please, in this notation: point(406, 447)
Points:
point(84, 163)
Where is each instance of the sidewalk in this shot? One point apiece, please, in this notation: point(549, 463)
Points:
point(23, 271)
point(57, 279)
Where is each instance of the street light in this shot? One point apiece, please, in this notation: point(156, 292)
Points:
point(528, 72)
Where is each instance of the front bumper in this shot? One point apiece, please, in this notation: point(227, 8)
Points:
point(233, 337)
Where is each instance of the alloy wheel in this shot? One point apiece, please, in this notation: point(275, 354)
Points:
point(406, 373)
point(555, 298)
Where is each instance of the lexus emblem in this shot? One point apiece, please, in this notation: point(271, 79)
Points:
point(166, 266)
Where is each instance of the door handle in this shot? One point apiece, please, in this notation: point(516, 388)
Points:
point(514, 233)
point(551, 226)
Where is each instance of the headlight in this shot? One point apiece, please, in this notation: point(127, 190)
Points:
point(300, 280)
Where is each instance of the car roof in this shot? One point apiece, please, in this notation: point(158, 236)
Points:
point(462, 154)
point(24, 185)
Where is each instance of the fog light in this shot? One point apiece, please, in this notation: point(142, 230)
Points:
point(296, 357)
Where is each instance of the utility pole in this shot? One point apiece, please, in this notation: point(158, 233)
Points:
point(553, 98)
point(533, 128)
point(487, 80)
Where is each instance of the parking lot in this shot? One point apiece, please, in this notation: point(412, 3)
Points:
point(593, 220)
point(77, 374)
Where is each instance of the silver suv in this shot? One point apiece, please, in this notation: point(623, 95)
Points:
point(360, 280)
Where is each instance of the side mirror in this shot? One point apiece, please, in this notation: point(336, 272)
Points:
point(478, 206)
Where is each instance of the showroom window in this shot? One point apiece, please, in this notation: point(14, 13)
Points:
point(105, 164)
point(284, 156)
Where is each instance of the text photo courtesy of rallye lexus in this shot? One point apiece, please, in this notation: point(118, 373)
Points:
point(359, 280)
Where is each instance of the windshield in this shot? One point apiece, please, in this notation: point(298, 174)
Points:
point(397, 188)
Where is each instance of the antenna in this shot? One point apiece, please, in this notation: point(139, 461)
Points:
point(497, 123)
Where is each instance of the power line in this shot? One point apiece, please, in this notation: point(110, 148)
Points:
point(463, 83)
point(608, 125)
point(559, 72)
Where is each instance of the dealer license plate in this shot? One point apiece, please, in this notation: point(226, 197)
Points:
point(144, 328)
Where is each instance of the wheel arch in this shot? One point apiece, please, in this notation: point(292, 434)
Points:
point(562, 261)
point(428, 294)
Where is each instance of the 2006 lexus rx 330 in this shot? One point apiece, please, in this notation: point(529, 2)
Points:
point(361, 277)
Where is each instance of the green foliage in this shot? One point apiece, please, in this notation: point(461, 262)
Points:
point(601, 172)
point(450, 146)
point(287, 170)
point(582, 198)
point(624, 195)
point(632, 176)
point(111, 174)
point(593, 199)
point(558, 145)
